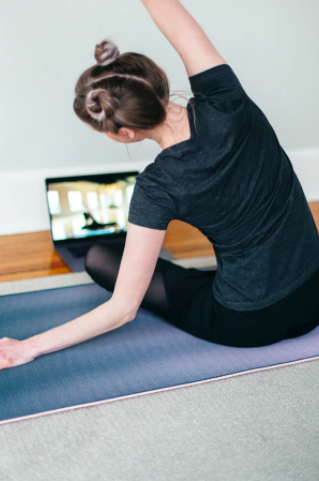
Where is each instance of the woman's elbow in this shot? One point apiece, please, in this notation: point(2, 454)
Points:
point(123, 311)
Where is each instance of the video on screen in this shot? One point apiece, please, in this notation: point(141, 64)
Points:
point(84, 208)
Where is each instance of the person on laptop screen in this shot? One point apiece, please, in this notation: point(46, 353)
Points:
point(222, 170)
point(91, 222)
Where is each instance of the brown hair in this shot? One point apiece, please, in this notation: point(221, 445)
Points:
point(121, 90)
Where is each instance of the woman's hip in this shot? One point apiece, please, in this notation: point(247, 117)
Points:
point(195, 310)
point(292, 316)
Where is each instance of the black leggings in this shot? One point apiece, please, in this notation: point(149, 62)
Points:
point(184, 298)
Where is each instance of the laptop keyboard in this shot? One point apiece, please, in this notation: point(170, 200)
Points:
point(79, 251)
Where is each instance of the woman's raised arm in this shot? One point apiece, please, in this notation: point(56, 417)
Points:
point(184, 34)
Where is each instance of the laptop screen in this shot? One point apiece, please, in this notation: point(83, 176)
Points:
point(91, 205)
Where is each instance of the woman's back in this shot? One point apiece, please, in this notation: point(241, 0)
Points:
point(234, 182)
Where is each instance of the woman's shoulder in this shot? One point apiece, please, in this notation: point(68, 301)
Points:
point(157, 172)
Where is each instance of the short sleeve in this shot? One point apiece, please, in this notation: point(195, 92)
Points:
point(219, 86)
point(151, 206)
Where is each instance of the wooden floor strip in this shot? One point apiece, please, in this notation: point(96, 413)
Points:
point(31, 255)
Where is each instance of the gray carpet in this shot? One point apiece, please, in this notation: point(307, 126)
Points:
point(256, 427)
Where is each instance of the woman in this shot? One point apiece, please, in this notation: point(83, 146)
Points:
point(222, 170)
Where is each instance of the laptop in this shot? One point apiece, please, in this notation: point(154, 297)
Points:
point(87, 210)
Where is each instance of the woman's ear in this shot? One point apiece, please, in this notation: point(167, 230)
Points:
point(122, 136)
point(127, 133)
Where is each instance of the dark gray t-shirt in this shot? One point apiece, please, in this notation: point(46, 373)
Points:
point(235, 183)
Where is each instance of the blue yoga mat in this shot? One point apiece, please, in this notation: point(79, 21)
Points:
point(145, 355)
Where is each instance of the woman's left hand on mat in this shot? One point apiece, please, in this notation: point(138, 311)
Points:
point(14, 353)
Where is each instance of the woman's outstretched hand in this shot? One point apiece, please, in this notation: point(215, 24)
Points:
point(14, 353)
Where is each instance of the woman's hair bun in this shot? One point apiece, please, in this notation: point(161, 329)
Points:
point(106, 52)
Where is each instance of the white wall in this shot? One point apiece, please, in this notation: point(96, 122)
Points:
point(45, 45)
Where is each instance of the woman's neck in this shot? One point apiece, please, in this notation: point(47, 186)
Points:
point(175, 128)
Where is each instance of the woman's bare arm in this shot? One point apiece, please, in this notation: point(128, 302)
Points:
point(184, 34)
point(142, 248)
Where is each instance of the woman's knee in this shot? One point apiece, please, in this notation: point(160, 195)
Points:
point(102, 264)
point(92, 259)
